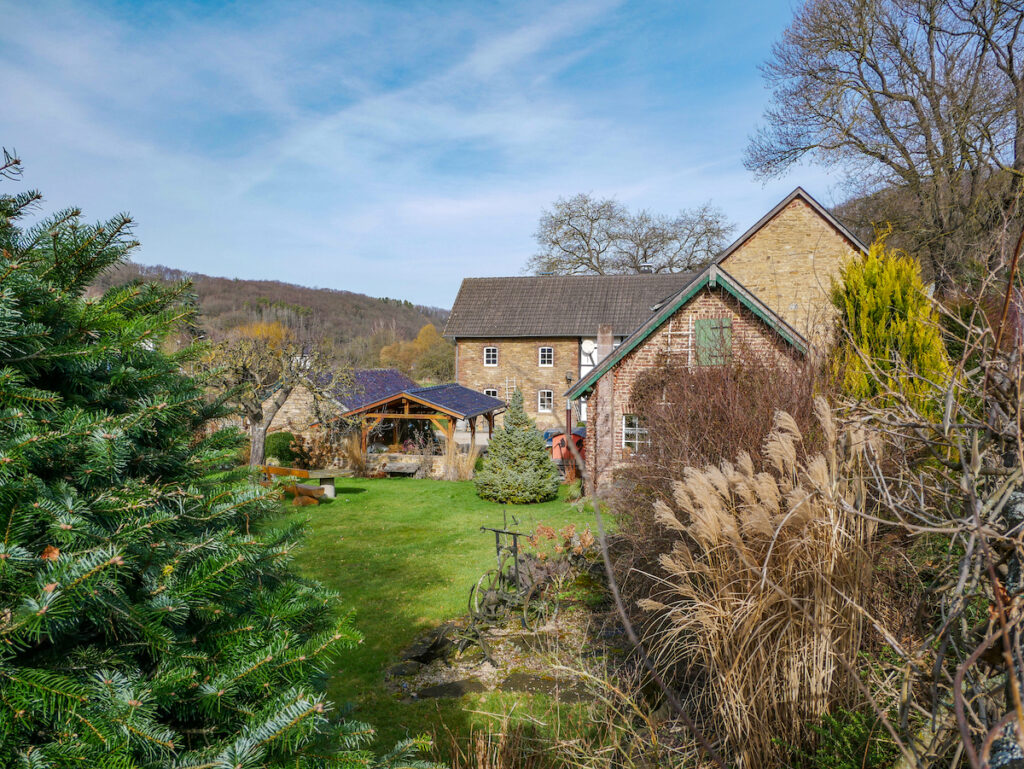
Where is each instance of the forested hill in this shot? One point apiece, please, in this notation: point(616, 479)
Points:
point(352, 320)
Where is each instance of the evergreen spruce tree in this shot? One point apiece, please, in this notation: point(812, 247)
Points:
point(146, 619)
point(518, 467)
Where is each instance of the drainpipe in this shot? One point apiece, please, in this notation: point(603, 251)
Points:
point(604, 434)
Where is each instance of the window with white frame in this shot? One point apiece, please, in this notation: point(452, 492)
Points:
point(491, 391)
point(545, 401)
point(490, 356)
point(546, 356)
point(634, 434)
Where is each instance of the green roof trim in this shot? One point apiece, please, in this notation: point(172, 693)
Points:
point(712, 277)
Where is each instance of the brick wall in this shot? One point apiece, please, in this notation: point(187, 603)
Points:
point(674, 340)
point(518, 359)
point(789, 264)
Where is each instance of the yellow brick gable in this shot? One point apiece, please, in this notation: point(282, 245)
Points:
point(789, 264)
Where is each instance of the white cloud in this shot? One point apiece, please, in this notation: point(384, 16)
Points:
point(383, 149)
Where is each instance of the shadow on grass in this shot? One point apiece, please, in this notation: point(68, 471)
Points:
point(349, 490)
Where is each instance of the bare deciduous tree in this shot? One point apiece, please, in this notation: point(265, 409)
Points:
point(921, 97)
point(260, 367)
point(583, 235)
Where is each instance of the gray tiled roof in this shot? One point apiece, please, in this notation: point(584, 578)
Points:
point(459, 400)
point(558, 305)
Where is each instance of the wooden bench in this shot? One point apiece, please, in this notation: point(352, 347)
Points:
point(295, 489)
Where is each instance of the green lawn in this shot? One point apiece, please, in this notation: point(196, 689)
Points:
point(403, 553)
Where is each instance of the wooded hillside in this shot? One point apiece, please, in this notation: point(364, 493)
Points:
point(357, 324)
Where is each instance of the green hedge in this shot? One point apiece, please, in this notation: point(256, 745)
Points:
point(279, 445)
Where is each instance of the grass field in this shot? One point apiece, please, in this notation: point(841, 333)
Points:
point(403, 554)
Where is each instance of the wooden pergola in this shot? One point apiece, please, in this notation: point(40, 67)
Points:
point(442, 406)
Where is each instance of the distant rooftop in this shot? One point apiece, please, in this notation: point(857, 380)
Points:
point(558, 305)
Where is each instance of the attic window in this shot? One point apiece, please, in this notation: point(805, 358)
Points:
point(490, 356)
point(491, 391)
point(546, 356)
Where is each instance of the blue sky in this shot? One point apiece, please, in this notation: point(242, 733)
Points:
point(385, 148)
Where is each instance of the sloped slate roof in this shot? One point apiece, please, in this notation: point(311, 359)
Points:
point(558, 305)
point(457, 399)
point(452, 399)
point(369, 385)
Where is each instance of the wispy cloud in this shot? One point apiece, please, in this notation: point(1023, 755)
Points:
point(384, 148)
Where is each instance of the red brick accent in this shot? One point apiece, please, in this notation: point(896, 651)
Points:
point(674, 340)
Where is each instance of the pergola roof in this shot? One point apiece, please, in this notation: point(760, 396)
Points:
point(450, 399)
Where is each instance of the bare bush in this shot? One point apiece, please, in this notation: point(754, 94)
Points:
point(696, 417)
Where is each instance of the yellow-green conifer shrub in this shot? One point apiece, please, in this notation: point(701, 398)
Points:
point(891, 341)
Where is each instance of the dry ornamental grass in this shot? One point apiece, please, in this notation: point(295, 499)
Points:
point(758, 608)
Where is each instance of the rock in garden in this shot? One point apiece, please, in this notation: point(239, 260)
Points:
point(432, 645)
point(452, 689)
point(405, 668)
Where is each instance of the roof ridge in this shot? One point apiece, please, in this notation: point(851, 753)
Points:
point(430, 387)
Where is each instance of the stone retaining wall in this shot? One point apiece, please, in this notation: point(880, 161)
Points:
point(418, 465)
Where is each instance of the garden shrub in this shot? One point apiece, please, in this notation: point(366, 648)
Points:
point(753, 551)
point(517, 467)
point(848, 739)
point(279, 446)
point(891, 337)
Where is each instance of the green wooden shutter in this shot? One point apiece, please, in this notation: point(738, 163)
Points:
point(714, 341)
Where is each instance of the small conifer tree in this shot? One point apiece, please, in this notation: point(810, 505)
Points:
point(892, 338)
point(146, 620)
point(518, 468)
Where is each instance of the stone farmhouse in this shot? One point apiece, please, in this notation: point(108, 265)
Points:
point(539, 334)
point(767, 292)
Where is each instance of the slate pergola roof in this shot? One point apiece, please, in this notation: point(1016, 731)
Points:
point(451, 400)
point(370, 385)
point(441, 405)
point(558, 305)
point(458, 400)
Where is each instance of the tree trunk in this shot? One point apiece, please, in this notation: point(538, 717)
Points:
point(258, 427)
point(257, 442)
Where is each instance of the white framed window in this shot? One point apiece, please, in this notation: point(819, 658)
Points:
point(545, 401)
point(490, 356)
point(634, 434)
point(546, 357)
point(491, 391)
